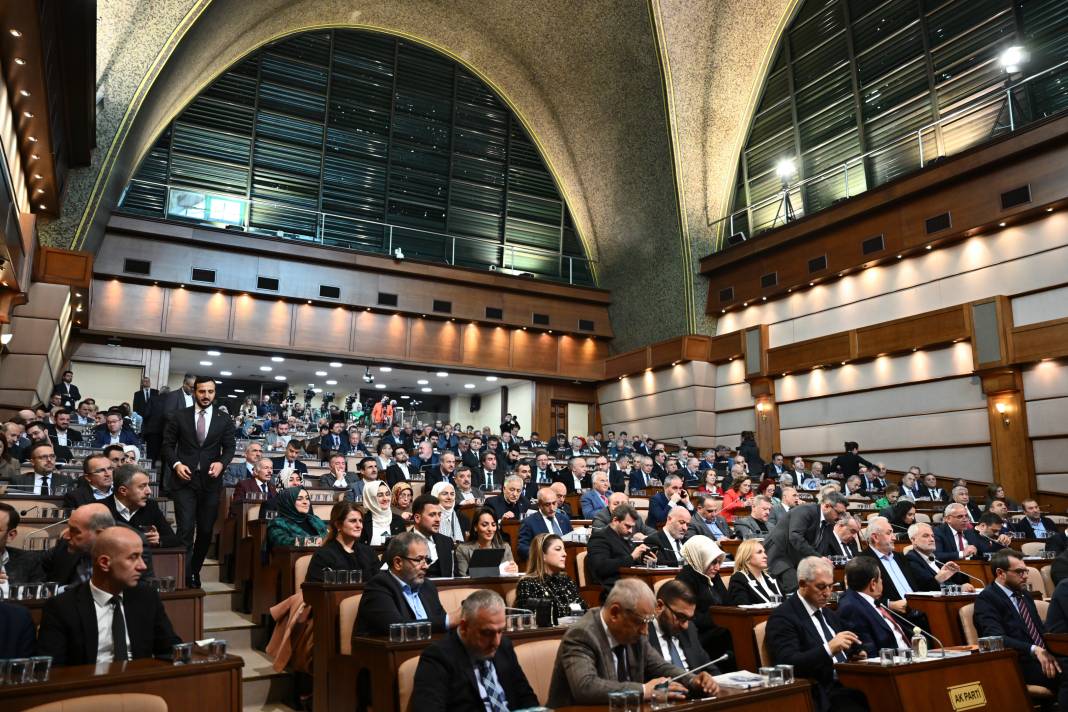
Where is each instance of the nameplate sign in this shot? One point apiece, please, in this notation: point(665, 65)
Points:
point(968, 696)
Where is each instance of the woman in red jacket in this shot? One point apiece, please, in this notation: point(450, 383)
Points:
point(738, 496)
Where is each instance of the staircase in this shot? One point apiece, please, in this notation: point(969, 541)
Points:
point(262, 688)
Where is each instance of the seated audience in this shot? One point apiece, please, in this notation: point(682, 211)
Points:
point(801, 534)
point(343, 550)
point(844, 539)
point(259, 487)
point(426, 516)
point(812, 638)
point(996, 491)
point(990, 539)
point(16, 565)
point(928, 572)
point(109, 617)
point(337, 477)
point(610, 548)
point(465, 488)
point(670, 632)
point(667, 543)
point(1033, 525)
point(861, 611)
point(608, 651)
point(483, 534)
point(114, 433)
point(401, 593)
point(295, 519)
point(673, 495)
point(738, 496)
point(132, 503)
point(474, 666)
point(930, 490)
point(902, 515)
point(95, 485)
point(547, 520)
point(511, 502)
point(70, 562)
point(402, 500)
point(604, 516)
point(596, 498)
point(546, 578)
point(960, 495)
point(700, 573)
point(1005, 609)
point(707, 520)
point(910, 488)
point(384, 523)
point(45, 480)
point(368, 468)
point(897, 577)
point(788, 501)
point(755, 526)
point(750, 583)
point(290, 460)
point(454, 523)
point(401, 470)
point(710, 483)
point(954, 537)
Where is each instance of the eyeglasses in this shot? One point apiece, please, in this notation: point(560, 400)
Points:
point(680, 617)
point(1019, 572)
point(644, 620)
point(417, 560)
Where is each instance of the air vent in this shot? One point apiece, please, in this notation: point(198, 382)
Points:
point(586, 325)
point(442, 307)
point(203, 275)
point(268, 283)
point(1016, 196)
point(328, 292)
point(736, 238)
point(872, 245)
point(769, 280)
point(494, 313)
point(540, 319)
point(136, 266)
point(386, 299)
point(726, 295)
point(817, 264)
point(938, 223)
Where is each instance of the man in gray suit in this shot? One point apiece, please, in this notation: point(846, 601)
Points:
point(604, 516)
point(755, 526)
point(801, 534)
point(707, 520)
point(607, 651)
point(788, 501)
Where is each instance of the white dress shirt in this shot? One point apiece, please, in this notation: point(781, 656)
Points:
point(187, 398)
point(123, 510)
point(61, 437)
point(896, 630)
point(105, 650)
point(664, 638)
point(432, 548)
point(816, 624)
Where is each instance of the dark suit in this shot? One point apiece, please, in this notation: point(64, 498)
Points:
point(69, 392)
point(890, 592)
point(797, 535)
point(746, 590)
point(665, 555)
point(715, 639)
point(445, 565)
point(690, 648)
point(82, 493)
point(126, 437)
point(196, 500)
point(332, 556)
point(749, 528)
point(566, 477)
point(832, 547)
point(500, 506)
point(534, 524)
point(445, 678)
point(383, 604)
point(638, 479)
point(160, 409)
point(936, 494)
point(699, 526)
point(394, 474)
point(148, 516)
point(872, 629)
point(279, 463)
point(23, 567)
point(73, 436)
point(797, 643)
point(140, 403)
point(68, 630)
point(618, 479)
point(924, 576)
point(235, 473)
point(607, 552)
point(68, 567)
point(1024, 526)
point(396, 526)
point(659, 507)
point(248, 487)
point(996, 614)
point(17, 633)
point(23, 484)
point(946, 544)
point(1056, 615)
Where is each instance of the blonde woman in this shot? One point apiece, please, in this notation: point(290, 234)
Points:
point(751, 583)
point(546, 577)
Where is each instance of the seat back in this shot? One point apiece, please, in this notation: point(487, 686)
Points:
point(936, 518)
point(536, 659)
point(1047, 579)
point(1043, 608)
point(346, 621)
point(580, 566)
point(405, 682)
point(124, 702)
point(1034, 577)
point(1032, 548)
point(922, 517)
point(300, 570)
point(906, 550)
point(658, 584)
point(967, 623)
point(451, 598)
point(509, 598)
point(762, 648)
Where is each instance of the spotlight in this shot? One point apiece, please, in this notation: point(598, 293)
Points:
point(1012, 58)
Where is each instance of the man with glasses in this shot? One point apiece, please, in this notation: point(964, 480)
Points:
point(801, 534)
point(95, 484)
point(238, 471)
point(1005, 609)
point(115, 433)
point(597, 497)
point(44, 481)
point(670, 632)
point(402, 594)
point(510, 503)
point(610, 548)
point(607, 651)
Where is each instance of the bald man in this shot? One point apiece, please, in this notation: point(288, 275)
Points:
point(108, 618)
point(69, 562)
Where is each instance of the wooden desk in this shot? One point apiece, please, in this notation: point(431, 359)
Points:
point(170, 561)
point(741, 622)
point(943, 613)
point(930, 685)
point(977, 568)
point(382, 659)
point(729, 546)
point(1057, 643)
point(796, 697)
point(205, 685)
point(650, 576)
point(185, 608)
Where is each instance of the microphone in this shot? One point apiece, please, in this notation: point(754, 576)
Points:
point(899, 527)
point(980, 581)
point(24, 512)
point(914, 627)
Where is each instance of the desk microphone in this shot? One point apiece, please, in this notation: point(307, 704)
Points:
point(981, 582)
point(24, 512)
point(914, 627)
point(898, 527)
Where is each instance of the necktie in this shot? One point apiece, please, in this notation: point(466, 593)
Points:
point(263, 486)
point(202, 428)
point(827, 634)
point(893, 623)
point(819, 532)
point(46, 489)
point(118, 630)
point(960, 541)
point(673, 651)
point(1025, 613)
point(622, 675)
point(556, 527)
point(495, 698)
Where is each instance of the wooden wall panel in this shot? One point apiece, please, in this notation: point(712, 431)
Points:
point(919, 331)
point(58, 266)
point(259, 321)
point(814, 352)
point(487, 347)
point(127, 307)
point(534, 352)
point(725, 347)
point(435, 341)
point(1034, 342)
point(583, 355)
point(381, 334)
point(322, 328)
point(206, 315)
point(629, 362)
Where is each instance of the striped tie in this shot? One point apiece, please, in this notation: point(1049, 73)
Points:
point(1025, 613)
point(495, 697)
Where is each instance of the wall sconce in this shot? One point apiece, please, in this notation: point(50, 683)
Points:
point(5, 334)
point(1002, 410)
point(762, 408)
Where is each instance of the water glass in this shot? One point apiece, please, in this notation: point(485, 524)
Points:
point(182, 653)
point(48, 589)
point(396, 632)
point(355, 576)
point(999, 643)
point(530, 621)
point(4, 664)
point(40, 667)
point(886, 656)
point(659, 698)
point(776, 599)
point(634, 700)
point(18, 671)
point(903, 656)
point(329, 576)
point(216, 649)
point(411, 631)
point(617, 702)
point(985, 644)
point(425, 629)
point(510, 622)
point(787, 673)
point(170, 585)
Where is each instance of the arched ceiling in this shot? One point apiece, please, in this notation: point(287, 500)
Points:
point(631, 153)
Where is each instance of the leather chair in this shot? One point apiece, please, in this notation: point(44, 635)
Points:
point(451, 598)
point(346, 621)
point(124, 702)
point(405, 683)
point(922, 517)
point(1034, 577)
point(1032, 548)
point(300, 571)
point(1047, 579)
point(580, 566)
point(536, 659)
point(971, 636)
point(762, 648)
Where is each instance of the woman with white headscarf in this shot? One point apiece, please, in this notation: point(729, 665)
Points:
point(453, 524)
point(702, 559)
point(378, 498)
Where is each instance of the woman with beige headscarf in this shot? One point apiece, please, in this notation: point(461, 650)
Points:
point(453, 523)
point(702, 559)
point(378, 500)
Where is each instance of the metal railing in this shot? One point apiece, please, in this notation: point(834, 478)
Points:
point(788, 203)
point(329, 230)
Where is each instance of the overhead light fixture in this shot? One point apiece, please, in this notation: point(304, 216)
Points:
point(403, 397)
point(15, 33)
point(320, 374)
point(422, 381)
point(311, 385)
point(331, 382)
point(427, 390)
point(214, 353)
point(279, 378)
point(385, 369)
point(20, 61)
point(226, 373)
point(239, 390)
point(469, 385)
point(317, 390)
point(380, 386)
point(266, 369)
point(443, 374)
point(277, 359)
point(491, 379)
point(1012, 58)
point(335, 364)
point(206, 363)
point(23, 93)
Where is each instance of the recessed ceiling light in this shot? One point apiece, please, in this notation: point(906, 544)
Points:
point(214, 353)
point(20, 61)
point(31, 139)
point(239, 390)
point(317, 390)
point(491, 379)
point(930, 247)
point(311, 385)
point(380, 386)
point(385, 369)
point(469, 385)
point(226, 373)
point(28, 114)
point(38, 191)
point(443, 374)
point(427, 390)
point(42, 206)
point(279, 378)
point(277, 359)
point(335, 364)
point(320, 374)
point(205, 363)
point(23, 92)
point(422, 381)
point(266, 368)
point(1049, 210)
point(1001, 224)
point(403, 397)
point(331, 382)
point(15, 33)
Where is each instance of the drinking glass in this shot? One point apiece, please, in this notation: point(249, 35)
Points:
point(217, 649)
point(985, 644)
point(659, 697)
point(355, 576)
point(886, 656)
point(617, 702)
point(634, 700)
point(787, 673)
point(411, 631)
point(904, 655)
point(774, 677)
point(40, 667)
point(182, 653)
point(4, 665)
point(396, 632)
point(329, 576)
point(424, 628)
point(48, 589)
point(510, 622)
point(18, 671)
point(530, 622)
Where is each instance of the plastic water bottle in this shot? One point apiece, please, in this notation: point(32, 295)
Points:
point(919, 644)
